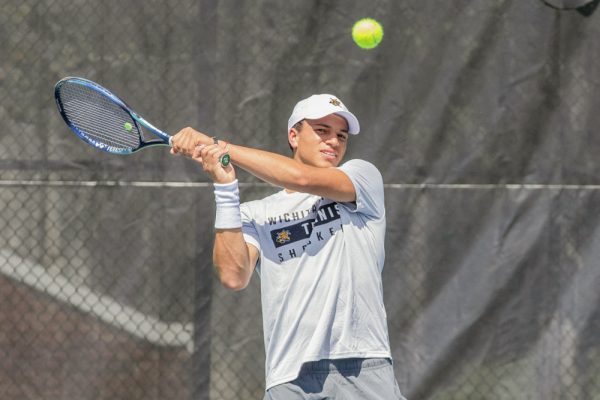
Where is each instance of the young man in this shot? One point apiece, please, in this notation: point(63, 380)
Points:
point(318, 246)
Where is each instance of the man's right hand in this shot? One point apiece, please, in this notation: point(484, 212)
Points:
point(186, 140)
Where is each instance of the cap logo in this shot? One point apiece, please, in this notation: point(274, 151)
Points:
point(335, 102)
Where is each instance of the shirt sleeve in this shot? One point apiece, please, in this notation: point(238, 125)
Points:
point(368, 185)
point(248, 228)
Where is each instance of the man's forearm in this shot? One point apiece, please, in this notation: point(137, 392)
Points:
point(231, 259)
point(273, 168)
point(288, 173)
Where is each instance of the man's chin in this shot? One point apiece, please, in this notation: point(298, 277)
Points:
point(329, 161)
point(324, 162)
point(330, 164)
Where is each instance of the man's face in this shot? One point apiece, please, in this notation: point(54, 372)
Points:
point(320, 142)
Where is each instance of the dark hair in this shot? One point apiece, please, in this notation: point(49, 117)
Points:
point(298, 125)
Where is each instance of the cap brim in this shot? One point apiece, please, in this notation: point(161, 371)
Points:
point(353, 125)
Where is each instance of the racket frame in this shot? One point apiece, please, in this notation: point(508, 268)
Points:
point(163, 139)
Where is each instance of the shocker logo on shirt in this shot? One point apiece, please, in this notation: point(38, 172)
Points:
point(303, 229)
point(283, 236)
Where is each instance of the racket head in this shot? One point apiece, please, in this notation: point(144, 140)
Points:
point(99, 117)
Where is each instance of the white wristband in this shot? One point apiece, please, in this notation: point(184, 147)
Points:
point(227, 197)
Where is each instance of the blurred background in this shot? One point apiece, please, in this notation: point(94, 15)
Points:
point(482, 116)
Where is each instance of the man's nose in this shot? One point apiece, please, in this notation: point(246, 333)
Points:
point(333, 140)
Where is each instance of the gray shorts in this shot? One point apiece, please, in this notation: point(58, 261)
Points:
point(346, 379)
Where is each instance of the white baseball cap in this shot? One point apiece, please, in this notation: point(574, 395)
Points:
point(319, 105)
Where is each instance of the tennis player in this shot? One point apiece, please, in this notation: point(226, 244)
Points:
point(318, 247)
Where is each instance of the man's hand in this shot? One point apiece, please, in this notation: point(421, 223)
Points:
point(186, 140)
point(202, 149)
point(210, 159)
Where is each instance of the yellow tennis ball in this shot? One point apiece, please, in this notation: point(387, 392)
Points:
point(367, 33)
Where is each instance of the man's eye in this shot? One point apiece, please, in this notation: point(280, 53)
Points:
point(343, 138)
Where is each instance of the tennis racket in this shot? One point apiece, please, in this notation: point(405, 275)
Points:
point(104, 121)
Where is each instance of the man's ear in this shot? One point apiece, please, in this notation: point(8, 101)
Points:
point(293, 138)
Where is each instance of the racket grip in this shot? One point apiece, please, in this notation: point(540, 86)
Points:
point(171, 141)
point(225, 159)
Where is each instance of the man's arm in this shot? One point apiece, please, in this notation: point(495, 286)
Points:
point(286, 172)
point(276, 169)
point(233, 258)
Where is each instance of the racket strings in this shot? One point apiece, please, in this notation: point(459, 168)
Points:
point(98, 117)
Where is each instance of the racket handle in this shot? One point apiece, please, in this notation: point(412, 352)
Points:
point(225, 159)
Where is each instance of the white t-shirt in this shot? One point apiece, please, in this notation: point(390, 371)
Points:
point(320, 271)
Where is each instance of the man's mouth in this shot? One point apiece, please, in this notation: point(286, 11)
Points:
point(329, 154)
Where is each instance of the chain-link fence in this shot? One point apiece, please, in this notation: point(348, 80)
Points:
point(481, 116)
